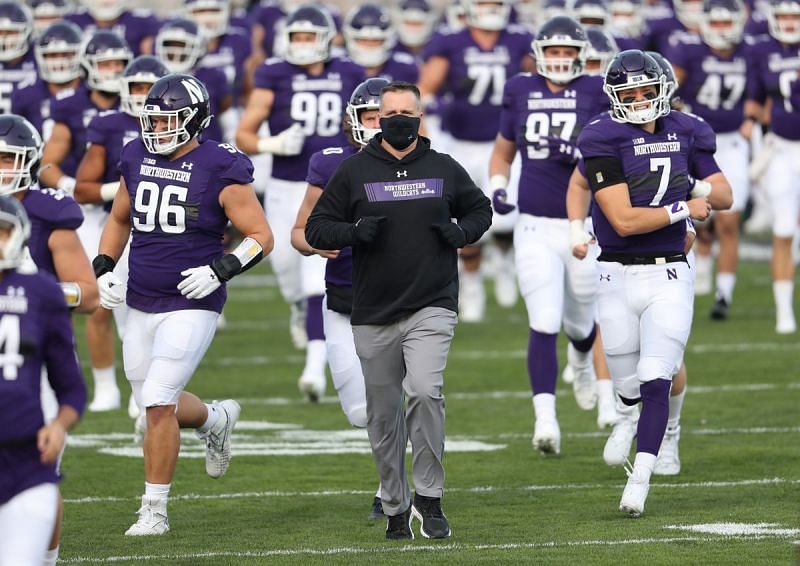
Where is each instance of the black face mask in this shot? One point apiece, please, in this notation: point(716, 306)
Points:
point(400, 131)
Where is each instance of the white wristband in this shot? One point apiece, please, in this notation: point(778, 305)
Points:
point(108, 191)
point(677, 211)
point(66, 184)
point(269, 145)
point(701, 189)
point(498, 182)
point(578, 235)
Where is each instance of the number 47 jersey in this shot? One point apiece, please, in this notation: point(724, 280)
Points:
point(177, 221)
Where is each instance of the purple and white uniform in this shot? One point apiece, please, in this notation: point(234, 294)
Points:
point(177, 220)
point(49, 210)
point(400, 67)
point(14, 75)
point(32, 102)
point(270, 16)
point(34, 313)
point(112, 130)
point(218, 89)
point(229, 56)
point(133, 25)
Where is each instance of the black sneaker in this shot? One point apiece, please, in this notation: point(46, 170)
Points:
point(376, 512)
point(428, 510)
point(720, 310)
point(399, 526)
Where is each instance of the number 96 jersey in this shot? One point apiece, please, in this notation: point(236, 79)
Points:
point(176, 219)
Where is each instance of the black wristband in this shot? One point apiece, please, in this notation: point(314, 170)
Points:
point(226, 267)
point(103, 264)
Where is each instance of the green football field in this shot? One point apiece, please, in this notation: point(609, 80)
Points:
point(301, 480)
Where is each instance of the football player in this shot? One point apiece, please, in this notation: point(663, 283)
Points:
point(473, 64)
point(370, 37)
point(361, 124)
point(542, 116)
point(103, 59)
point(301, 98)
point(414, 21)
point(137, 27)
point(57, 52)
point(711, 71)
point(175, 198)
point(48, 12)
point(33, 313)
point(600, 52)
point(773, 84)
point(639, 163)
point(17, 64)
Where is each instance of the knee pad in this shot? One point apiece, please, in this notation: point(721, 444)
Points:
point(544, 320)
point(627, 387)
point(652, 368)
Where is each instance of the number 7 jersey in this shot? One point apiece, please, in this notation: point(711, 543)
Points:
point(177, 221)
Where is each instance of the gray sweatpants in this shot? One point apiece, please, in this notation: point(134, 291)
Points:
point(407, 356)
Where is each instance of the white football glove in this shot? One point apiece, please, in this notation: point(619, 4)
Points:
point(199, 283)
point(578, 236)
point(111, 289)
point(288, 142)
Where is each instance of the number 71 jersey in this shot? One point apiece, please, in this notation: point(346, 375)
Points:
point(177, 221)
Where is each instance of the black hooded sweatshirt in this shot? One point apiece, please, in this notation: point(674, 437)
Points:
point(408, 266)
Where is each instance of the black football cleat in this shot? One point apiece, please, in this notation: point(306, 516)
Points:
point(720, 310)
point(428, 510)
point(398, 527)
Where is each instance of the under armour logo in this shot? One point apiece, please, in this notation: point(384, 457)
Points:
point(672, 136)
point(672, 274)
point(403, 173)
point(187, 165)
point(570, 93)
point(605, 277)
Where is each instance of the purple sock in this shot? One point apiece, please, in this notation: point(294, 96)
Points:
point(314, 327)
point(542, 362)
point(655, 412)
point(586, 344)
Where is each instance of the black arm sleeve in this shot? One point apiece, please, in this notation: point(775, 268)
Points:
point(470, 207)
point(602, 172)
point(329, 226)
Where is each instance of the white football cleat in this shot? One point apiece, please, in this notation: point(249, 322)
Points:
point(218, 438)
point(618, 445)
point(635, 493)
point(568, 374)
point(312, 386)
point(584, 384)
point(472, 298)
point(152, 518)
point(606, 408)
point(506, 291)
point(668, 462)
point(297, 325)
point(785, 323)
point(105, 399)
point(547, 436)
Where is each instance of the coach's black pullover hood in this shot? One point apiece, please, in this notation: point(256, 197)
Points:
point(408, 267)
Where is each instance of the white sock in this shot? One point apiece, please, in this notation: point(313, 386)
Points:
point(725, 284)
point(51, 557)
point(471, 279)
point(783, 291)
point(544, 406)
point(675, 406)
point(104, 378)
point(316, 357)
point(643, 465)
point(157, 490)
point(213, 416)
point(704, 265)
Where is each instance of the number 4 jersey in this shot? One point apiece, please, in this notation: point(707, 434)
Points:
point(176, 219)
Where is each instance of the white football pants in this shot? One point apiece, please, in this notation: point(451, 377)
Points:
point(26, 525)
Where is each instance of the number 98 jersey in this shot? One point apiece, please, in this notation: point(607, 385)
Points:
point(177, 221)
point(317, 103)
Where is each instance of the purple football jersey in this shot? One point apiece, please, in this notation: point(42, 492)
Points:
point(531, 112)
point(774, 70)
point(177, 220)
point(476, 78)
point(400, 67)
point(13, 75)
point(662, 29)
point(37, 331)
point(218, 88)
point(714, 86)
point(339, 271)
point(48, 210)
point(230, 56)
point(113, 130)
point(75, 109)
point(133, 25)
point(657, 169)
point(32, 102)
point(315, 102)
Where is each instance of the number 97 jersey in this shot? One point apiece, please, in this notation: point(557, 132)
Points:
point(177, 221)
point(317, 103)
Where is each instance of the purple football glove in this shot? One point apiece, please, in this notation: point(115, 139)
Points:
point(499, 202)
point(561, 150)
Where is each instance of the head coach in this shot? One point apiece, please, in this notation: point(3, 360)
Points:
point(393, 202)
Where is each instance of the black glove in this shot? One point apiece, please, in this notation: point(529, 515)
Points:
point(451, 233)
point(365, 230)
